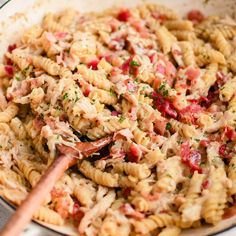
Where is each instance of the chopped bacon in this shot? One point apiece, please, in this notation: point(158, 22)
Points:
point(93, 64)
point(164, 106)
point(128, 210)
point(192, 74)
point(126, 192)
point(189, 113)
point(11, 47)
point(77, 214)
point(134, 154)
point(150, 197)
point(224, 151)
point(38, 123)
point(221, 78)
point(62, 206)
point(9, 70)
point(114, 113)
point(191, 158)
point(158, 16)
point(196, 16)
point(160, 126)
point(160, 69)
point(124, 15)
point(60, 35)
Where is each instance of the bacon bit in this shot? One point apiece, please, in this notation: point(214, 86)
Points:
point(50, 122)
point(9, 70)
point(126, 192)
point(158, 16)
point(164, 106)
point(221, 78)
point(161, 69)
point(77, 214)
point(206, 184)
point(124, 15)
point(60, 35)
point(38, 123)
point(62, 207)
point(55, 193)
point(134, 154)
point(192, 74)
point(11, 47)
point(177, 52)
point(231, 211)
point(93, 64)
point(160, 126)
point(224, 151)
point(204, 143)
point(129, 211)
point(59, 58)
point(196, 16)
point(114, 113)
point(149, 197)
point(190, 158)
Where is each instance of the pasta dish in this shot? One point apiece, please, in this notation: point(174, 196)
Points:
point(163, 86)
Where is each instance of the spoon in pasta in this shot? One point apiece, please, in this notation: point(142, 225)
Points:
point(34, 199)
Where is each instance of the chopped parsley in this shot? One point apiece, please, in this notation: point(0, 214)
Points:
point(17, 78)
point(162, 90)
point(65, 96)
point(168, 175)
point(134, 63)
point(121, 119)
point(168, 126)
point(28, 70)
point(112, 93)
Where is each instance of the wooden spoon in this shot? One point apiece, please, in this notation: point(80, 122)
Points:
point(35, 198)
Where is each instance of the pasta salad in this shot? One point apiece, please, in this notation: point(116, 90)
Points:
point(162, 85)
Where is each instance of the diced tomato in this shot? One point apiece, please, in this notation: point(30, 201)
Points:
point(93, 64)
point(224, 151)
point(204, 143)
point(87, 91)
point(229, 133)
point(126, 192)
point(124, 15)
point(114, 113)
point(191, 158)
point(126, 66)
point(9, 70)
point(195, 16)
point(164, 106)
point(206, 184)
point(134, 154)
point(11, 47)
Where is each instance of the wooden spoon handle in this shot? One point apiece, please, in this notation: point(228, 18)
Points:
point(24, 213)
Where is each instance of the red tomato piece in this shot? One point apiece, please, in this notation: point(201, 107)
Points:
point(124, 15)
point(93, 64)
point(134, 153)
point(224, 151)
point(195, 16)
point(9, 70)
point(11, 47)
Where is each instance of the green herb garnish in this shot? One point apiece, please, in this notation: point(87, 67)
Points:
point(168, 126)
point(134, 63)
point(121, 119)
point(65, 96)
point(17, 78)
